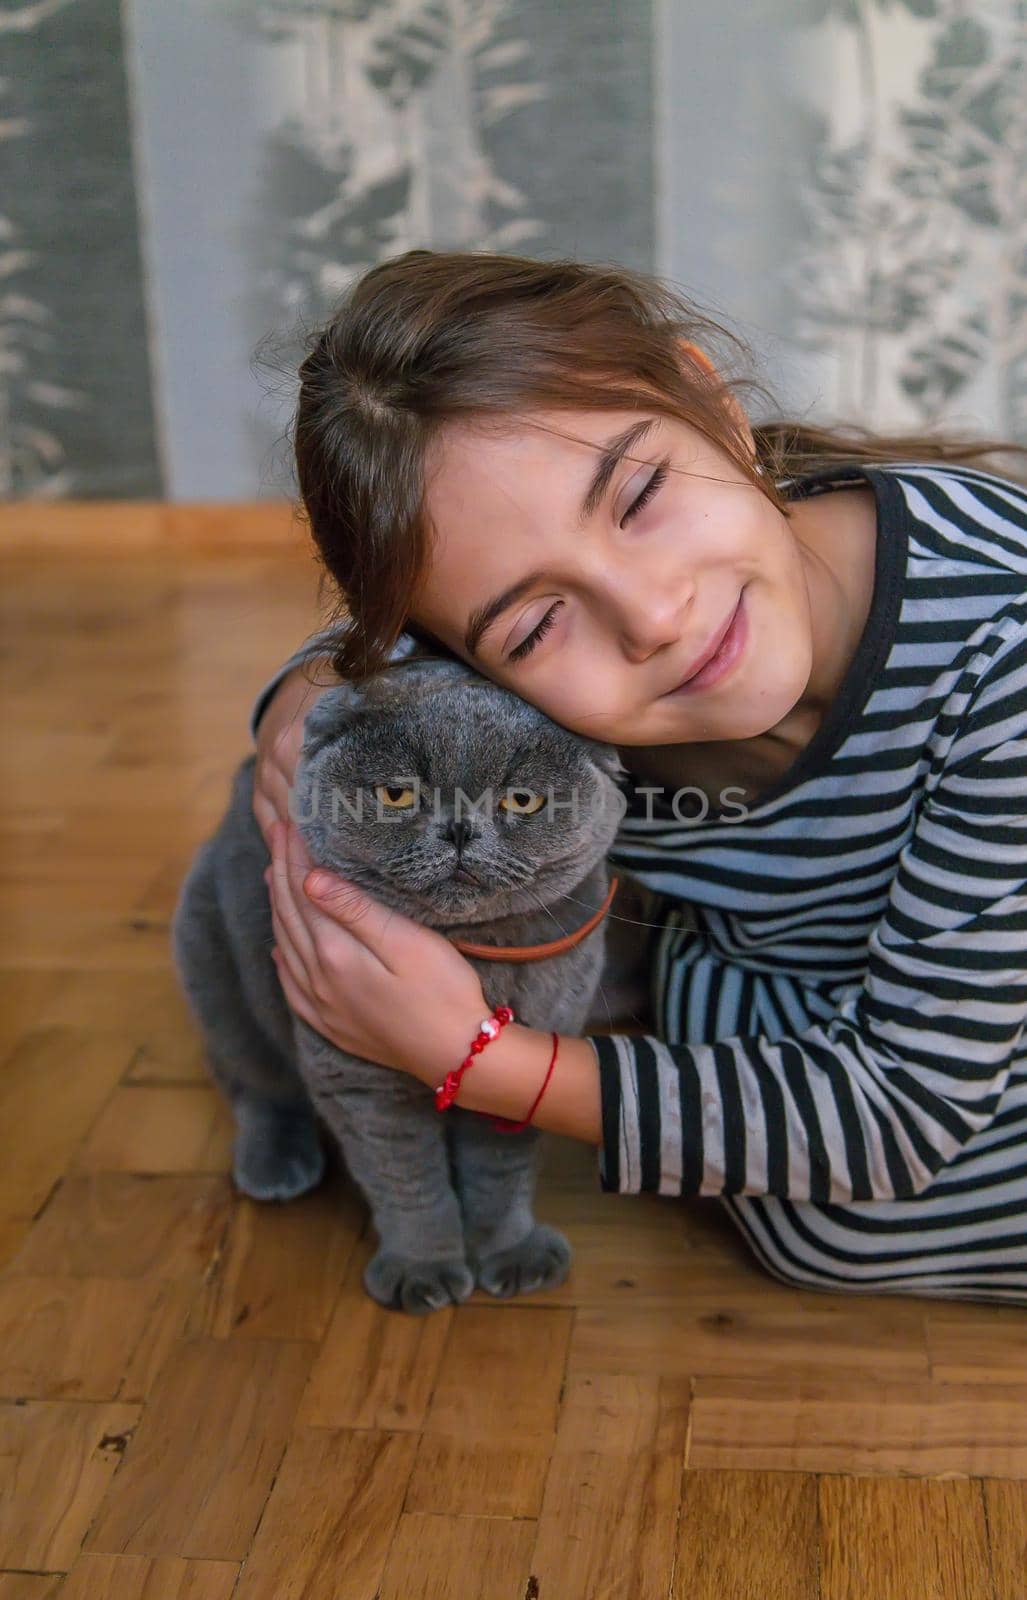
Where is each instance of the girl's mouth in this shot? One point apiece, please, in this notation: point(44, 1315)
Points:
point(727, 653)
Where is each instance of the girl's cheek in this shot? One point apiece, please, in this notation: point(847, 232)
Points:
point(590, 706)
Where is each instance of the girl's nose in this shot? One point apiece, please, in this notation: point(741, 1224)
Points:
point(650, 620)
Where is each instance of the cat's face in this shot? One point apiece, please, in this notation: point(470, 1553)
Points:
point(449, 797)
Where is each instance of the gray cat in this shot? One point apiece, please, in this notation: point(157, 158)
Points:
point(465, 808)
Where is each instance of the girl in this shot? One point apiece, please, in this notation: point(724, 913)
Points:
point(810, 649)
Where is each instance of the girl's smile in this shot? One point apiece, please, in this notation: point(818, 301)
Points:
point(720, 654)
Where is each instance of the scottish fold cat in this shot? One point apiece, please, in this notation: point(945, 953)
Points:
point(467, 809)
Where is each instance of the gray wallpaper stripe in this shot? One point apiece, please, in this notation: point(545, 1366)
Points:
point(76, 417)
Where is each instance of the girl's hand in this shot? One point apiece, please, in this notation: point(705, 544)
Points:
point(369, 979)
point(279, 741)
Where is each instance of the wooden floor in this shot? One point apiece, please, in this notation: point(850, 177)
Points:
point(197, 1398)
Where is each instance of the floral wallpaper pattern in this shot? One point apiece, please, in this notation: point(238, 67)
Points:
point(429, 79)
point(229, 166)
point(912, 271)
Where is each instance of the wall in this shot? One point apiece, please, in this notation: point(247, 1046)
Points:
point(186, 186)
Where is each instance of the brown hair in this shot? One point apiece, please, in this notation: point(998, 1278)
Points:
point(432, 337)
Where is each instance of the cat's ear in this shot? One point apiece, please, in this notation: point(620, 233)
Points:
point(605, 757)
point(332, 711)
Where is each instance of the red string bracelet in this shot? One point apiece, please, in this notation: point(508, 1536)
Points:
point(446, 1092)
point(503, 1125)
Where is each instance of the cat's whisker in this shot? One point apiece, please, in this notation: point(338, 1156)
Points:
point(601, 995)
point(549, 913)
point(612, 916)
point(600, 992)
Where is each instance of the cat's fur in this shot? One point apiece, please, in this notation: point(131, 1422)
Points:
point(450, 1196)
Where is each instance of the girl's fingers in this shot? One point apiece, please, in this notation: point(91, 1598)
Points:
point(265, 813)
point(384, 932)
point(290, 960)
point(291, 931)
point(295, 996)
point(298, 866)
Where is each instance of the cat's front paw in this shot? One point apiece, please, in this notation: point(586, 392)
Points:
point(541, 1260)
point(401, 1284)
point(277, 1154)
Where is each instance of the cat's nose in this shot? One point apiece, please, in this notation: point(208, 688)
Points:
point(459, 831)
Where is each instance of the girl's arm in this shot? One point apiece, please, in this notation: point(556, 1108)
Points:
point(279, 739)
point(314, 648)
point(383, 987)
point(508, 1075)
point(871, 1104)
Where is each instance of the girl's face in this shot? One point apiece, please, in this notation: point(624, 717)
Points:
point(596, 607)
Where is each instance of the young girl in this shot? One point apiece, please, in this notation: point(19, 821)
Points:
point(810, 649)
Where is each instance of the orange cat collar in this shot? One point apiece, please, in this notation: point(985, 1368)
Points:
point(537, 952)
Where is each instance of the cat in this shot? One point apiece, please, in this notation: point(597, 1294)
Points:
point(454, 801)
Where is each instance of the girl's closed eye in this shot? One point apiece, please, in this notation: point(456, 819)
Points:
point(544, 624)
point(531, 639)
point(655, 483)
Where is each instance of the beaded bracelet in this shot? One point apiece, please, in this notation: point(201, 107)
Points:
point(446, 1092)
point(488, 1030)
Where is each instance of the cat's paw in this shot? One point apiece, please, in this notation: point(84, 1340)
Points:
point(276, 1155)
point(541, 1260)
point(401, 1284)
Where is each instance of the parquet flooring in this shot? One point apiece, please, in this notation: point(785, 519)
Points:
point(198, 1401)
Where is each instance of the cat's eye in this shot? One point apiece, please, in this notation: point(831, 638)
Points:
point(522, 802)
point(395, 796)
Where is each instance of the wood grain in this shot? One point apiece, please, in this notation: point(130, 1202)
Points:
point(27, 1586)
point(56, 1459)
point(159, 1128)
point(609, 1512)
point(491, 1424)
point(52, 1086)
point(331, 1517)
point(723, 1327)
point(893, 1540)
point(922, 1429)
point(118, 1226)
point(96, 1577)
point(749, 1533)
point(460, 1558)
point(375, 1369)
point(279, 1273)
point(964, 1347)
point(200, 1468)
point(1005, 1517)
point(71, 1338)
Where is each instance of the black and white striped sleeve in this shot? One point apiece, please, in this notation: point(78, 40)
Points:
point(875, 1101)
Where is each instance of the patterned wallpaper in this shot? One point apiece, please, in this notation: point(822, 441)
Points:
point(77, 407)
point(186, 185)
point(911, 279)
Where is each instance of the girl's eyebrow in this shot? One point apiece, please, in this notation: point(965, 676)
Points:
point(483, 618)
point(610, 456)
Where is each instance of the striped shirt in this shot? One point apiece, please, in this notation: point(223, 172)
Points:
point(840, 988)
point(839, 972)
